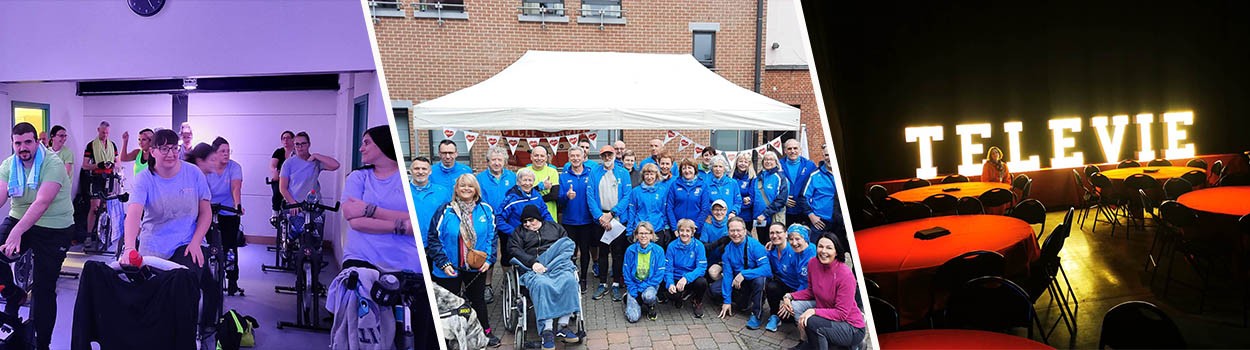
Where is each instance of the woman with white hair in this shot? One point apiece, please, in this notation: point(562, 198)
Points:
point(719, 185)
point(771, 189)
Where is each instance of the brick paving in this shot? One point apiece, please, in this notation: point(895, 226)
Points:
point(606, 327)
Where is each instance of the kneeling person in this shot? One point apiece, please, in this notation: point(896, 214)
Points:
point(643, 271)
point(687, 261)
point(747, 261)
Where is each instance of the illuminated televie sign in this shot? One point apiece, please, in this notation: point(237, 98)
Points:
point(1110, 133)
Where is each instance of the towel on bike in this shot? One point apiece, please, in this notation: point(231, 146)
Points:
point(359, 323)
point(460, 324)
point(20, 180)
point(555, 292)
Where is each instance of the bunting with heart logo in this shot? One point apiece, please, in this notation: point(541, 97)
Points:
point(469, 138)
point(776, 143)
point(572, 139)
point(512, 143)
point(593, 137)
point(449, 132)
point(732, 157)
point(492, 140)
point(761, 150)
point(532, 141)
point(698, 149)
point(554, 142)
point(683, 143)
point(668, 136)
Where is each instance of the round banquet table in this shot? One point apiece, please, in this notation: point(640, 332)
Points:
point(1164, 173)
point(904, 266)
point(1227, 200)
point(956, 339)
point(966, 189)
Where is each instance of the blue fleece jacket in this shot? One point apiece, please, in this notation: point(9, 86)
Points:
point(594, 199)
point(446, 234)
point(644, 203)
point(509, 218)
point(655, 275)
point(445, 176)
point(725, 188)
point(791, 268)
point(688, 260)
point(710, 232)
point(775, 187)
point(574, 211)
point(820, 196)
point(687, 199)
point(746, 188)
point(425, 201)
point(797, 171)
point(754, 265)
point(495, 188)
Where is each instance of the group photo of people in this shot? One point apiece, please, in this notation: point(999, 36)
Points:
point(231, 195)
point(760, 237)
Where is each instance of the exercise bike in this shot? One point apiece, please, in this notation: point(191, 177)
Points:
point(281, 255)
point(305, 234)
point(103, 240)
point(222, 260)
point(399, 290)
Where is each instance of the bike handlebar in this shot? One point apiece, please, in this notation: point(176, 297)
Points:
point(312, 206)
point(269, 181)
point(218, 207)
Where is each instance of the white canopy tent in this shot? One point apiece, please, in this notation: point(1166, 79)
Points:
point(546, 90)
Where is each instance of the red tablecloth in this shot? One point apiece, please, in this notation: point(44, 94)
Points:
point(966, 189)
point(956, 339)
point(904, 266)
point(1228, 200)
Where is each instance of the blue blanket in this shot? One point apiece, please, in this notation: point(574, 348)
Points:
point(555, 292)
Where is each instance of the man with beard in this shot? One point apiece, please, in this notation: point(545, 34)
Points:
point(40, 219)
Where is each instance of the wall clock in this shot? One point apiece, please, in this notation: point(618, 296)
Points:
point(146, 8)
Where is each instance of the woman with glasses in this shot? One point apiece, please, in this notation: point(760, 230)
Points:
point(169, 212)
point(462, 247)
point(771, 190)
point(56, 143)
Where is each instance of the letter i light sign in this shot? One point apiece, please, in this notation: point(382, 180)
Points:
point(1064, 151)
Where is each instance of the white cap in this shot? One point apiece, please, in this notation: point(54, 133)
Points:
point(720, 202)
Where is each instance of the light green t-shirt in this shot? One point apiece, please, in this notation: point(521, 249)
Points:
point(60, 213)
point(644, 265)
point(549, 172)
point(67, 157)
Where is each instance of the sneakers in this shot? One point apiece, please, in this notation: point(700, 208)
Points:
point(582, 286)
point(492, 340)
point(753, 323)
point(549, 340)
point(567, 335)
point(488, 294)
point(772, 323)
point(600, 292)
point(698, 309)
point(651, 314)
point(677, 303)
point(616, 292)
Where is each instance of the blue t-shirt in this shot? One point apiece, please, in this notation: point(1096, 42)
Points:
point(301, 177)
point(389, 252)
point(170, 209)
point(219, 185)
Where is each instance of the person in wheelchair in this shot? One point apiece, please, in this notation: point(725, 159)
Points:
point(543, 248)
point(40, 219)
point(461, 244)
point(644, 271)
point(169, 212)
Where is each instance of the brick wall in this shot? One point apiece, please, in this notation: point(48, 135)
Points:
point(424, 60)
point(794, 87)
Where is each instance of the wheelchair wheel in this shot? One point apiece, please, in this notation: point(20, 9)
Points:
point(519, 330)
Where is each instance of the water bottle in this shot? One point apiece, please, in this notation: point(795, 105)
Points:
point(229, 259)
point(313, 197)
point(136, 260)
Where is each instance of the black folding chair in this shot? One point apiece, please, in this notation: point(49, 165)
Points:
point(991, 303)
point(1175, 187)
point(941, 203)
point(1196, 178)
point(969, 206)
point(1139, 325)
point(884, 316)
point(915, 183)
point(1197, 163)
point(954, 179)
point(1128, 163)
point(996, 197)
point(908, 211)
point(1159, 162)
point(959, 270)
point(1031, 211)
point(1044, 278)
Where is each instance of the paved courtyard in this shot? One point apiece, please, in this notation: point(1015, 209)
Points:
point(607, 328)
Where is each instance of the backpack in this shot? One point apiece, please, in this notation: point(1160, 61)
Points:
point(234, 330)
point(16, 333)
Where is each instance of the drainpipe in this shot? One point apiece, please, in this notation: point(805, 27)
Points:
point(759, 42)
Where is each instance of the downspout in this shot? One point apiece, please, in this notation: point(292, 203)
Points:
point(759, 42)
